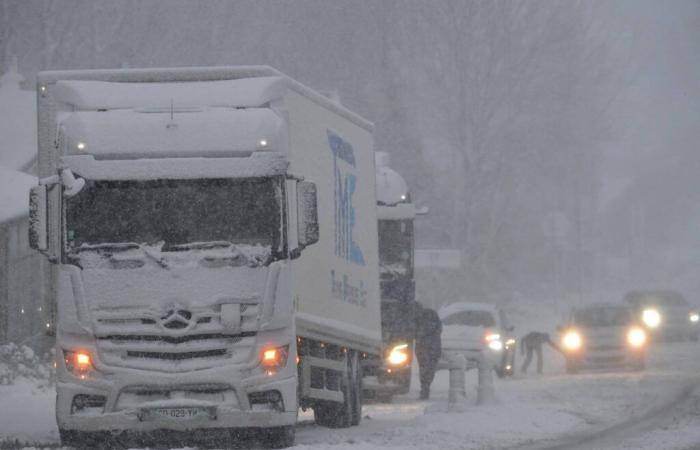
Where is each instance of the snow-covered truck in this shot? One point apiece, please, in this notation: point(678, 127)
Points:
point(213, 233)
point(396, 214)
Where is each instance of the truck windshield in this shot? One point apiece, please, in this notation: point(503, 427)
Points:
point(395, 248)
point(176, 213)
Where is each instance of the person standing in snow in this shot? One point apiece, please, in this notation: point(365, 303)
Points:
point(428, 347)
point(532, 343)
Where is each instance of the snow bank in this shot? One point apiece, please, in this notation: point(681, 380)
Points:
point(14, 194)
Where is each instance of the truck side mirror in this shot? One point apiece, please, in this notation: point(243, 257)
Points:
point(38, 219)
point(307, 216)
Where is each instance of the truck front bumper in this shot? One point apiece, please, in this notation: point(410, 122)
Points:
point(135, 402)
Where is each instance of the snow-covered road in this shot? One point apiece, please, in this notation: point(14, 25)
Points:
point(555, 410)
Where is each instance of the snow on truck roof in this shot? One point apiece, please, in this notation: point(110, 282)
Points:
point(89, 95)
point(208, 132)
point(466, 306)
point(188, 75)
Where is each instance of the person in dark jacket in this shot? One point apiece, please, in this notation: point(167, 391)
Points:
point(428, 347)
point(532, 343)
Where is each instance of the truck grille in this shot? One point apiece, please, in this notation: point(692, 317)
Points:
point(142, 340)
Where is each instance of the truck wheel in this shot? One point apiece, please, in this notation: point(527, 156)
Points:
point(356, 391)
point(278, 437)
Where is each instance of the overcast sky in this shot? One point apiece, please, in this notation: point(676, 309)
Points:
point(658, 111)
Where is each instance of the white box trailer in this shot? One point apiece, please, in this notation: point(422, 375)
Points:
point(214, 239)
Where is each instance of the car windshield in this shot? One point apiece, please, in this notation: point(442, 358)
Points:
point(670, 298)
point(177, 213)
point(395, 248)
point(602, 317)
point(470, 319)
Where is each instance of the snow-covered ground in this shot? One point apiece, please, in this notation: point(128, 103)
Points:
point(531, 411)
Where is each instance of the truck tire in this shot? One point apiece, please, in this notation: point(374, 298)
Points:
point(278, 437)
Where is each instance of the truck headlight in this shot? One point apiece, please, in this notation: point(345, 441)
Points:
point(398, 355)
point(693, 317)
point(651, 317)
point(493, 340)
point(79, 363)
point(274, 358)
point(636, 337)
point(572, 340)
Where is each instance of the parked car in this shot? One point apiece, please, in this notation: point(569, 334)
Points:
point(665, 314)
point(603, 335)
point(472, 328)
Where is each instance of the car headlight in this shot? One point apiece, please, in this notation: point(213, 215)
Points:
point(510, 342)
point(572, 340)
point(493, 341)
point(651, 317)
point(398, 355)
point(636, 337)
point(693, 317)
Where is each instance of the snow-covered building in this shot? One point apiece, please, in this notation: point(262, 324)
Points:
point(23, 289)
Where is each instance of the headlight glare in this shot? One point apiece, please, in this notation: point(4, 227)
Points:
point(495, 345)
point(693, 317)
point(79, 363)
point(572, 340)
point(636, 337)
point(651, 317)
point(398, 355)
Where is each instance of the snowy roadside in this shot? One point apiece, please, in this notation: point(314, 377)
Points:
point(530, 409)
point(27, 412)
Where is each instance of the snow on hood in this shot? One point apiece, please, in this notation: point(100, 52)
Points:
point(145, 277)
point(395, 269)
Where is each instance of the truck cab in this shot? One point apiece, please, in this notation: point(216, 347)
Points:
point(396, 214)
point(185, 237)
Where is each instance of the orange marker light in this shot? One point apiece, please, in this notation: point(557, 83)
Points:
point(274, 358)
point(82, 360)
point(270, 356)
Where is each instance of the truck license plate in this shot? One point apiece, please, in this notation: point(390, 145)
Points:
point(177, 413)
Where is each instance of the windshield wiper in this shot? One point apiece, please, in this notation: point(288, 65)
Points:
point(158, 260)
point(198, 245)
point(116, 246)
point(122, 247)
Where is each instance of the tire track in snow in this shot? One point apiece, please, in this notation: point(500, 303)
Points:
point(606, 438)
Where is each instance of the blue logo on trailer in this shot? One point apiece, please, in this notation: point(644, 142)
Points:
point(345, 185)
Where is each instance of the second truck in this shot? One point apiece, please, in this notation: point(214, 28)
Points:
point(396, 213)
point(213, 234)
